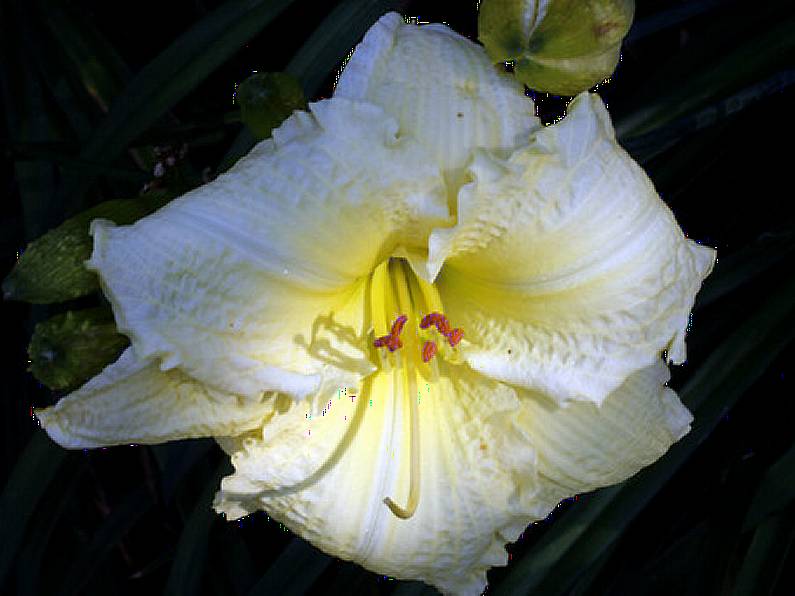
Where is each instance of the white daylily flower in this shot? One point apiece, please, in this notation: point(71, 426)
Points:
point(425, 185)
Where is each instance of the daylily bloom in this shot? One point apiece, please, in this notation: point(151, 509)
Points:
point(288, 309)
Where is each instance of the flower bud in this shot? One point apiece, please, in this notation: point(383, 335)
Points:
point(557, 46)
point(267, 99)
point(68, 349)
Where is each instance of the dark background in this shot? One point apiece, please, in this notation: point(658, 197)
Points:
point(711, 83)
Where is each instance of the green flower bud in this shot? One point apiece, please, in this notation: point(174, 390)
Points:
point(68, 349)
point(267, 99)
point(558, 46)
point(51, 267)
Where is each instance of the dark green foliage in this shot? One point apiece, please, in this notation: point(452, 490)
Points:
point(51, 269)
point(70, 348)
point(267, 98)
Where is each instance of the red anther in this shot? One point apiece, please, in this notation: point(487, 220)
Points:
point(430, 319)
point(455, 336)
point(380, 342)
point(443, 326)
point(428, 351)
point(397, 326)
point(393, 343)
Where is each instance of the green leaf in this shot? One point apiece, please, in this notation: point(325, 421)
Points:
point(697, 76)
point(666, 19)
point(100, 69)
point(38, 537)
point(29, 480)
point(68, 349)
point(51, 268)
point(268, 98)
point(335, 38)
point(118, 523)
point(293, 572)
point(776, 490)
point(29, 119)
point(325, 50)
point(749, 262)
point(189, 562)
point(767, 554)
point(175, 459)
point(577, 540)
point(171, 76)
point(649, 145)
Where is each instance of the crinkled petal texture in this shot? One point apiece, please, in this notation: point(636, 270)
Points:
point(442, 88)
point(494, 458)
point(253, 283)
point(565, 268)
point(556, 256)
point(133, 401)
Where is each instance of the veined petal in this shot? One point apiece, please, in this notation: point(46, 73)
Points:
point(253, 282)
point(566, 269)
point(582, 446)
point(441, 87)
point(133, 401)
point(326, 477)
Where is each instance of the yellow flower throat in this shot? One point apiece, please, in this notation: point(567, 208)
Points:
point(405, 310)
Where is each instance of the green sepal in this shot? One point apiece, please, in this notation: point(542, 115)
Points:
point(564, 48)
point(267, 99)
point(68, 349)
point(51, 268)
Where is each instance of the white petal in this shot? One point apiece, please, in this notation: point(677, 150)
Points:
point(246, 283)
point(566, 270)
point(583, 446)
point(477, 476)
point(441, 87)
point(132, 401)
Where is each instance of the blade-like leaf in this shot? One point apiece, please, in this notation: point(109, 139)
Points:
point(733, 271)
point(324, 51)
point(118, 523)
point(771, 545)
point(188, 567)
point(30, 479)
point(716, 76)
point(647, 146)
point(293, 572)
point(775, 492)
point(100, 69)
point(171, 76)
point(666, 19)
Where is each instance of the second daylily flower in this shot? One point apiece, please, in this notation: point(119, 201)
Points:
point(283, 309)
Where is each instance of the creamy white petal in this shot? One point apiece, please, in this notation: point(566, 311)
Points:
point(582, 446)
point(132, 401)
point(441, 87)
point(326, 477)
point(245, 283)
point(565, 269)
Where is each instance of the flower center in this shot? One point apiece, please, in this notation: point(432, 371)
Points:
point(408, 321)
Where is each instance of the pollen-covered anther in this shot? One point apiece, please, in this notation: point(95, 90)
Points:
point(444, 327)
point(429, 350)
point(392, 341)
point(455, 336)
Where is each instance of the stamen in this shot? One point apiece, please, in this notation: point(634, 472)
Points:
point(444, 326)
point(414, 469)
point(392, 342)
point(431, 319)
point(455, 336)
point(429, 350)
point(397, 326)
